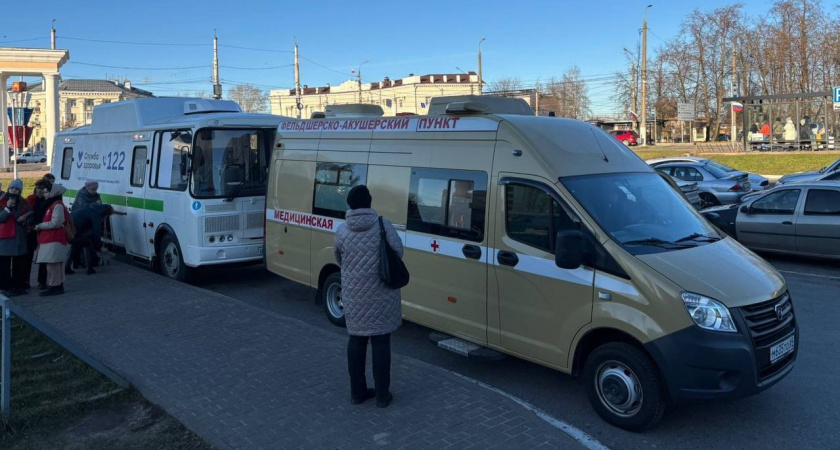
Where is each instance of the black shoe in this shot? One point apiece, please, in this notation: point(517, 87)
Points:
point(90, 271)
point(386, 402)
point(369, 393)
point(53, 290)
point(69, 271)
point(43, 286)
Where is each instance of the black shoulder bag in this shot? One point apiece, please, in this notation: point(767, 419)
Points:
point(392, 269)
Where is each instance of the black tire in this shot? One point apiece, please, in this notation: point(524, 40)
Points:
point(626, 142)
point(605, 370)
point(331, 298)
point(707, 200)
point(171, 260)
point(43, 160)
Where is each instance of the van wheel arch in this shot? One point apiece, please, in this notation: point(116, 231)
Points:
point(326, 271)
point(163, 234)
point(596, 338)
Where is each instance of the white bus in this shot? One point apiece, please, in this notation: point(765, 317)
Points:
point(186, 177)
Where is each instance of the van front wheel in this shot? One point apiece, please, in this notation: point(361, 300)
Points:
point(625, 387)
point(171, 260)
point(331, 297)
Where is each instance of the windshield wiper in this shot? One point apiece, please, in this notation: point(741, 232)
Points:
point(656, 242)
point(235, 190)
point(696, 237)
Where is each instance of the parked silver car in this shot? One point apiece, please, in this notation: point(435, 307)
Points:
point(31, 157)
point(801, 219)
point(716, 186)
point(757, 182)
point(691, 192)
point(811, 175)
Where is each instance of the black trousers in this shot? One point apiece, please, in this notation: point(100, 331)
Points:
point(356, 357)
point(82, 245)
point(42, 274)
point(13, 274)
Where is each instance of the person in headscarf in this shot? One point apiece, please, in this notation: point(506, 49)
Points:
point(87, 195)
point(52, 240)
point(13, 215)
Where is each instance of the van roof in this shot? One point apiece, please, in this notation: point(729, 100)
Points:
point(149, 113)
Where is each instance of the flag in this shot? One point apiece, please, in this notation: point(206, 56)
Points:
point(737, 107)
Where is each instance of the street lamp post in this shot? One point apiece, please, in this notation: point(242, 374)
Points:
point(359, 74)
point(643, 128)
point(480, 82)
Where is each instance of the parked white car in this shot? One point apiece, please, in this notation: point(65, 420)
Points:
point(32, 157)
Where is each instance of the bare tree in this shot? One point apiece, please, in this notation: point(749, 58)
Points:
point(568, 96)
point(504, 86)
point(249, 97)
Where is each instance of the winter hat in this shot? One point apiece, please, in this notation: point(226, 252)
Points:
point(91, 184)
point(359, 197)
point(16, 183)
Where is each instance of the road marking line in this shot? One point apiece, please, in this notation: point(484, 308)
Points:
point(830, 277)
point(575, 433)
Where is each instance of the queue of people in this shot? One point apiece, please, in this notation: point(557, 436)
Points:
point(40, 229)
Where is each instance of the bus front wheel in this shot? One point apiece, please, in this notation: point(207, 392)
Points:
point(171, 259)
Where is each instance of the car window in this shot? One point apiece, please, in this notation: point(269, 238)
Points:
point(715, 171)
point(720, 166)
point(782, 202)
point(823, 202)
point(687, 173)
point(533, 217)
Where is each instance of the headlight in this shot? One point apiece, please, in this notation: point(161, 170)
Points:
point(708, 313)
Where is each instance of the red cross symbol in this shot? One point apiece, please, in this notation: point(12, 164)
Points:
point(435, 246)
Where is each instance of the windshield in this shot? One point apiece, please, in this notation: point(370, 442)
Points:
point(716, 172)
point(831, 167)
point(227, 162)
point(641, 211)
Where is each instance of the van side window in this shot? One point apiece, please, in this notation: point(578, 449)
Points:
point(66, 163)
point(533, 217)
point(333, 182)
point(448, 203)
point(138, 166)
point(173, 160)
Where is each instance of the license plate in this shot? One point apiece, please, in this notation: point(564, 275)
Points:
point(747, 187)
point(782, 348)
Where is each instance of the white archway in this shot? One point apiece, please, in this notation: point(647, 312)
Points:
point(32, 62)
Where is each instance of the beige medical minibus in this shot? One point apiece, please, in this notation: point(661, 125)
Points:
point(543, 238)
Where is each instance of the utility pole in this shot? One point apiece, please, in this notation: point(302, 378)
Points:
point(480, 79)
point(217, 88)
point(634, 93)
point(733, 132)
point(298, 104)
point(52, 35)
point(359, 74)
point(537, 100)
point(643, 128)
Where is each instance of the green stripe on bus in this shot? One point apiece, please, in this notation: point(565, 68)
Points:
point(121, 200)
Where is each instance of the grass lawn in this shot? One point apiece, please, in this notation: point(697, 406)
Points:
point(60, 402)
point(760, 163)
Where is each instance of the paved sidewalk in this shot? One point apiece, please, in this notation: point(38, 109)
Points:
point(241, 377)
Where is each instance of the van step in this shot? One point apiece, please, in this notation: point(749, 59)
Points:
point(464, 348)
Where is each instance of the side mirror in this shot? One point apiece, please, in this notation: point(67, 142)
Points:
point(568, 252)
point(184, 163)
point(744, 209)
point(712, 217)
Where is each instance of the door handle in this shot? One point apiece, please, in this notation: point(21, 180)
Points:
point(471, 251)
point(787, 222)
point(508, 258)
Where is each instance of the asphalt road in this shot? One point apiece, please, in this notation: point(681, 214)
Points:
point(799, 412)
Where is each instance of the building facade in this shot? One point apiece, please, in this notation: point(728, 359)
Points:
point(409, 95)
point(76, 101)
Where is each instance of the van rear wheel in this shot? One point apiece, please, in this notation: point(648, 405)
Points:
point(625, 387)
point(331, 297)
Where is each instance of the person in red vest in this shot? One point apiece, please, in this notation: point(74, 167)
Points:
point(13, 244)
point(52, 240)
point(38, 202)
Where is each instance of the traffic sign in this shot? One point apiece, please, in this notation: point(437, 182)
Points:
point(685, 111)
point(837, 98)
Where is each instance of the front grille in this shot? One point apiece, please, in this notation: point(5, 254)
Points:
point(254, 220)
point(220, 207)
point(768, 323)
point(215, 224)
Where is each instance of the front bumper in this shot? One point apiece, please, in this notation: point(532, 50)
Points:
point(704, 365)
point(206, 256)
